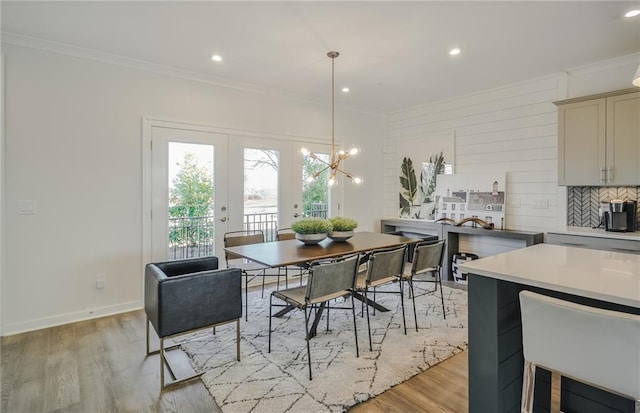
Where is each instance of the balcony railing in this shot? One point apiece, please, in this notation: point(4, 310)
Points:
point(192, 237)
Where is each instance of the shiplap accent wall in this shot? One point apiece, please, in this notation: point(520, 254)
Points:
point(510, 130)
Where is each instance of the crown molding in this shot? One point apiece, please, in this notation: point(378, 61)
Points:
point(630, 59)
point(15, 39)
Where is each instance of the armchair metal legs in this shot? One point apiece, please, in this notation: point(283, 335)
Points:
point(163, 350)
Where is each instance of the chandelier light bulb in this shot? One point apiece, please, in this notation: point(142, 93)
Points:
point(357, 180)
point(331, 182)
point(304, 151)
point(353, 151)
point(310, 179)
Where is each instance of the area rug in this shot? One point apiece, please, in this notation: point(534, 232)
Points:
point(279, 381)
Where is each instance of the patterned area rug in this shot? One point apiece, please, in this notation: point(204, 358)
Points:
point(279, 381)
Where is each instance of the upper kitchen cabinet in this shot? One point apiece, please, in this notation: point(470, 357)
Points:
point(599, 140)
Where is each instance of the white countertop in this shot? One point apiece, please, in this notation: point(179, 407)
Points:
point(602, 275)
point(597, 232)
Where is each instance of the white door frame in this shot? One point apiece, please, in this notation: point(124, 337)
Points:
point(147, 124)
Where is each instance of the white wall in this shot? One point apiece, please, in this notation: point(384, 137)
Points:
point(511, 130)
point(73, 144)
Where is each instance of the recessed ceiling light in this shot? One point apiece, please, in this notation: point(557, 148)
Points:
point(454, 52)
point(632, 13)
point(216, 58)
point(345, 89)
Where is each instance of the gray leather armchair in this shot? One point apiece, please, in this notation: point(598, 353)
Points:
point(184, 296)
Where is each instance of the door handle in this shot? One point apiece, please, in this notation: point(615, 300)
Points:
point(296, 215)
point(223, 219)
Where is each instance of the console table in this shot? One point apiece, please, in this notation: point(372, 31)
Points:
point(452, 235)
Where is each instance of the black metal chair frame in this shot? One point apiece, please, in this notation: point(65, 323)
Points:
point(311, 302)
point(396, 257)
point(285, 234)
point(420, 267)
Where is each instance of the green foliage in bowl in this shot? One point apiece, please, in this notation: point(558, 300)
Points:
point(312, 226)
point(343, 223)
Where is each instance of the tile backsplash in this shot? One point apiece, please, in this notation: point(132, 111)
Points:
point(583, 202)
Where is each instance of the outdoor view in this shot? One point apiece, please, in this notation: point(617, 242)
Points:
point(191, 200)
point(192, 196)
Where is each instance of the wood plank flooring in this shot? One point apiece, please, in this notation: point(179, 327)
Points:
point(100, 366)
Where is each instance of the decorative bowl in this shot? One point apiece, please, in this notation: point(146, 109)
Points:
point(311, 239)
point(340, 236)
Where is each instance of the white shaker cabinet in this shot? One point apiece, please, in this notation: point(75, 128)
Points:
point(599, 140)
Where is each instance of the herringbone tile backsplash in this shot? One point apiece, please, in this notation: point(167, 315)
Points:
point(583, 202)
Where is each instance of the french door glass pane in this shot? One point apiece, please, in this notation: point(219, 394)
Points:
point(191, 200)
point(261, 191)
point(315, 193)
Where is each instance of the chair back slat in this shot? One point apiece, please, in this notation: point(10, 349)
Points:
point(427, 256)
point(331, 278)
point(596, 346)
point(285, 234)
point(386, 263)
point(238, 238)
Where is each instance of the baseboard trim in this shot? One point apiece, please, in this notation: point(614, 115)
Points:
point(57, 320)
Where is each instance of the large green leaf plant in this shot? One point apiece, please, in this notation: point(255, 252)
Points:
point(409, 186)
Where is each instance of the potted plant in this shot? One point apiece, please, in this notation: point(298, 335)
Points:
point(342, 228)
point(311, 230)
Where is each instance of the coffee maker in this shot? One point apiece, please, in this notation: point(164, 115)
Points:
point(620, 215)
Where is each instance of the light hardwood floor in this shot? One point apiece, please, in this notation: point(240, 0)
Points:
point(100, 366)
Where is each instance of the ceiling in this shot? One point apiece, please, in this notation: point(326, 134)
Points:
point(393, 55)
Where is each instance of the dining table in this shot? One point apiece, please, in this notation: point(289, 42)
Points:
point(284, 253)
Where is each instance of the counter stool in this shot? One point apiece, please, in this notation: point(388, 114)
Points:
point(598, 347)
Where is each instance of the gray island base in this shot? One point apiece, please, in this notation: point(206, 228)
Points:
point(600, 279)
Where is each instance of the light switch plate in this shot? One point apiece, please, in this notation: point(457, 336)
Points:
point(26, 207)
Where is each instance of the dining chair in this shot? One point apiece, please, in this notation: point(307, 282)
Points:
point(250, 270)
point(428, 257)
point(598, 347)
point(283, 234)
point(328, 280)
point(384, 266)
point(184, 296)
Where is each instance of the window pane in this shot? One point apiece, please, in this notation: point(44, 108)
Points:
point(191, 200)
point(315, 194)
point(261, 191)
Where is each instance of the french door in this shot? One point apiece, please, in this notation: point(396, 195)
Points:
point(205, 183)
point(188, 193)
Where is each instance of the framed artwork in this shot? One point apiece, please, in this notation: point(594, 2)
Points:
point(478, 195)
point(421, 161)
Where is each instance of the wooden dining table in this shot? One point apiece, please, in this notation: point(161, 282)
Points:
point(293, 252)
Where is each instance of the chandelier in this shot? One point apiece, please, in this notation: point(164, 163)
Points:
point(336, 156)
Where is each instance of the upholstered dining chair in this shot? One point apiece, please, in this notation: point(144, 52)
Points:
point(283, 234)
point(428, 257)
point(327, 280)
point(250, 270)
point(384, 266)
point(184, 296)
point(598, 347)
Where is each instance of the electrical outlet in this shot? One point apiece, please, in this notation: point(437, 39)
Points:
point(101, 280)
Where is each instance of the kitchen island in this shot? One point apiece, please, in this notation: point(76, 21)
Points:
point(603, 279)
